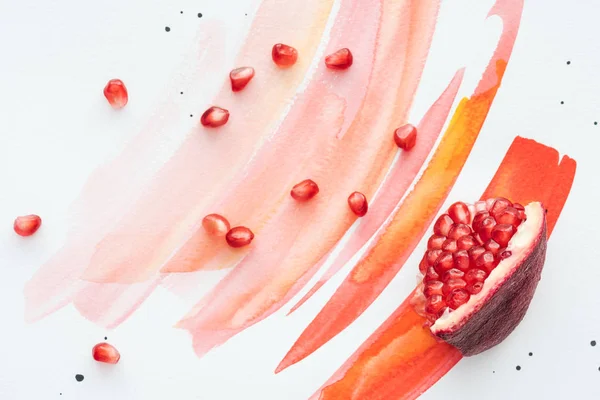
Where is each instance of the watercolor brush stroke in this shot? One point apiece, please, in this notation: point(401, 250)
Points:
point(402, 359)
point(380, 263)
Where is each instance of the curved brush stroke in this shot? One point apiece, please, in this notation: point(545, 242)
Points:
point(398, 181)
point(401, 359)
point(385, 257)
point(284, 256)
point(57, 282)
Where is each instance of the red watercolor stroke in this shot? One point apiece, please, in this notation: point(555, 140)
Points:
point(401, 359)
point(384, 259)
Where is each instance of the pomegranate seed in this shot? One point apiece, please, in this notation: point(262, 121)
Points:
point(240, 77)
point(499, 205)
point(432, 288)
point(444, 262)
point(442, 225)
point(434, 305)
point(423, 264)
point(457, 298)
point(475, 252)
point(305, 190)
point(478, 239)
point(284, 56)
point(116, 93)
point(487, 224)
point(505, 254)
point(358, 203)
point(214, 117)
point(449, 245)
point(475, 287)
point(239, 236)
point(466, 242)
point(479, 217)
point(27, 225)
point(459, 212)
point(452, 273)
point(433, 255)
point(503, 233)
point(431, 275)
point(106, 353)
point(486, 261)
point(480, 206)
point(475, 275)
point(406, 137)
point(459, 230)
point(341, 59)
point(509, 215)
point(435, 242)
point(452, 285)
point(215, 225)
point(493, 246)
point(461, 260)
point(521, 211)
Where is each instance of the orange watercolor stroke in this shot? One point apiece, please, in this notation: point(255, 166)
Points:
point(401, 359)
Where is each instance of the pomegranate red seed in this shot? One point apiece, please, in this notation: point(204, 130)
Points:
point(487, 224)
point(341, 59)
point(475, 287)
point(442, 225)
point(283, 55)
point(239, 236)
point(505, 254)
point(214, 117)
point(435, 242)
point(449, 245)
point(475, 252)
point(433, 255)
point(480, 206)
point(358, 204)
point(116, 93)
point(479, 217)
point(27, 225)
point(452, 273)
point(432, 288)
point(459, 230)
point(499, 205)
point(452, 285)
point(478, 239)
point(435, 304)
point(486, 261)
point(457, 298)
point(509, 215)
point(431, 275)
point(503, 233)
point(459, 212)
point(423, 264)
point(444, 262)
point(240, 77)
point(521, 211)
point(466, 242)
point(106, 353)
point(475, 275)
point(461, 260)
point(305, 190)
point(493, 246)
point(215, 225)
point(406, 137)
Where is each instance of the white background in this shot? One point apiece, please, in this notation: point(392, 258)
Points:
point(56, 128)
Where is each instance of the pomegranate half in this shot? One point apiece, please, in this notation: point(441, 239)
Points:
point(480, 271)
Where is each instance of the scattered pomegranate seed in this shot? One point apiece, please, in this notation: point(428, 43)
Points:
point(505, 254)
point(341, 59)
point(214, 117)
point(459, 212)
point(305, 190)
point(358, 203)
point(283, 55)
point(240, 77)
point(435, 242)
point(216, 225)
point(442, 225)
point(27, 225)
point(406, 137)
point(239, 236)
point(116, 93)
point(106, 353)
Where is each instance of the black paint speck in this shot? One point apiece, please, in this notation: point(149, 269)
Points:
point(568, 62)
point(493, 372)
point(167, 29)
point(105, 338)
point(199, 15)
point(79, 377)
point(530, 354)
point(562, 102)
point(60, 394)
point(180, 92)
point(191, 115)
point(246, 15)
point(593, 343)
point(595, 122)
point(180, 12)
point(518, 367)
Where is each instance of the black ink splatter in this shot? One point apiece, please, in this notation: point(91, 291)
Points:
point(180, 92)
point(191, 115)
point(180, 12)
point(105, 338)
point(199, 15)
point(568, 62)
point(518, 367)
point(562, 102)
point(530, 354)
point(167, 29)
point(595, 122)
point(593, 343)
point(79, 377)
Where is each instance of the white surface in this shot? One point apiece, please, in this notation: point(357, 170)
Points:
point(55, 128)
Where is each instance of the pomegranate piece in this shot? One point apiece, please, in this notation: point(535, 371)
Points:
point(305, 190)
point(116, 93)
point(215, 225)
point(214, 117)
point(240, 77)
point(357, 203)
point(106, 353)
point(405, 137)
point(27, 225)
point(239, 236)
point(341, 59)
point(284, 56)
point(486, 276)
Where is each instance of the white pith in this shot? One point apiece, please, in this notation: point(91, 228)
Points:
point(519, 245)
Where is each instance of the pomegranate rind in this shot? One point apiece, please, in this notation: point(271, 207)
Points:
point(492, 314)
